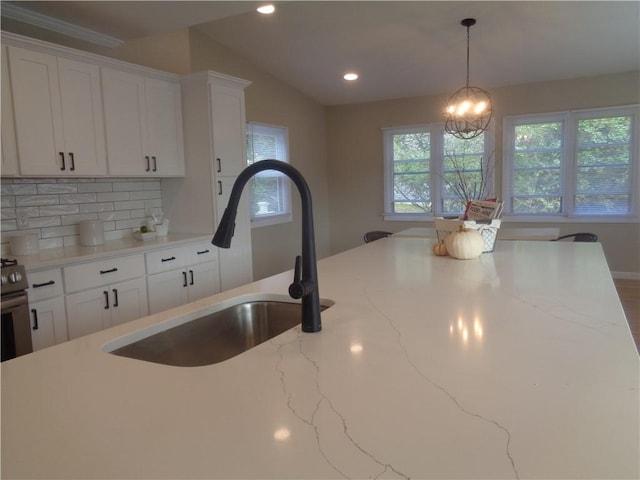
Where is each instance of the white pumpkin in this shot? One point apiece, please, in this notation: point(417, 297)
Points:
point(465, 244)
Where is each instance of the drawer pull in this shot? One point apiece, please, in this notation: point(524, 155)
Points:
point(219, 169)
point(106, 300)
point(35, 319)
point(202, 252)
point(219, 187)
point(184, 279)
point(111, 270)
point(38, 285)
point(167, 259)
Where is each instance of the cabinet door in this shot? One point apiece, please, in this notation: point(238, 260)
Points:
point(167, 290)
point(88, 312)
point(82, 117)
point(48, 323)
point(128, 301)
point(236, 264)
point(123, 95)
point(228, 125)
point(164, 127)
point(9, 148)
point(203, 280)
point(38, 112)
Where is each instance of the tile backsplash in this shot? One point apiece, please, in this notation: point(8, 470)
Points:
point(52, 207)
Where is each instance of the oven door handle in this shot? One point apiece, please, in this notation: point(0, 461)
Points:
point(14, 302)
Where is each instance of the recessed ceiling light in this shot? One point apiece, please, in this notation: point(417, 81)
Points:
point(266, 9)
point(350, 76)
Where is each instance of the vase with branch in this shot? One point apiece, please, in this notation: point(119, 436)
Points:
point(469, 178)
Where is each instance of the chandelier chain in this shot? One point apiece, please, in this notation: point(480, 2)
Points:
point(468, 36)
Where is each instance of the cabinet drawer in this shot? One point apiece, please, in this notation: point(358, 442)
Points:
point(201, 252)
point(45, 284)
point(95, 274)
point(166, 259)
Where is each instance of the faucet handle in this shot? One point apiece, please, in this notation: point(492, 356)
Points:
point(296, 289)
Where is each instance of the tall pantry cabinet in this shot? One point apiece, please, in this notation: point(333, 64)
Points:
point(215, 151)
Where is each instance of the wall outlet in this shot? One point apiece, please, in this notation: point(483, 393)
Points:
point(23, 220)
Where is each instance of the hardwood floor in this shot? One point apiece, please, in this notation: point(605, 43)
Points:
point(629, 293)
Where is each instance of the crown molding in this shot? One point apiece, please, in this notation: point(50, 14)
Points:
point(16, 40)
point(49, 23)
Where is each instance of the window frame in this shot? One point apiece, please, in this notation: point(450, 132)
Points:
point(436, 157)
point(286, 216)
point(568, 167)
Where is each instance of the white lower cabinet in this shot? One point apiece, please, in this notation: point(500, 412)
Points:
point(93, 310)
point(46, 308)
point(181, 275)
point(48, 323)
point(104, 293)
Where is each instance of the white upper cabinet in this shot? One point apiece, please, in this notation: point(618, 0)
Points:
point(143, 118)
point(58, 114)
point(228, 119)
point(9, 147)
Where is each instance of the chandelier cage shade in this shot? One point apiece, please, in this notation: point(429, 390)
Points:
point(468, 111)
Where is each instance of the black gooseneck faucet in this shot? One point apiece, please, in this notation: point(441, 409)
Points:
point(305, 280)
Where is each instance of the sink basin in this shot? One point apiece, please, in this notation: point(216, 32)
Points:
point(217, 336)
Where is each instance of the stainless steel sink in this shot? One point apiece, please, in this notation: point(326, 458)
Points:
point(217, 336)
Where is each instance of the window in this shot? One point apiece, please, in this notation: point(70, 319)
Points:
point(429, 172)
point(572, 164)
point(270, 190)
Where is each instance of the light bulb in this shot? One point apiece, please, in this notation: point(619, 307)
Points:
point(266, 9)
point(464, 107)
point(480, 107)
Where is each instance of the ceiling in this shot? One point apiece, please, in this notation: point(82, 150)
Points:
point(398, 48)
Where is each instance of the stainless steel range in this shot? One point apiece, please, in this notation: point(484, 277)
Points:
point(16, 324)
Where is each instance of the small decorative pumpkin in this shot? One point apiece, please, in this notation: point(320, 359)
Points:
point(440, 249)
point(465, 244)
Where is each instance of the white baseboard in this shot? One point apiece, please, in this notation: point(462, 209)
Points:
point(626, 275)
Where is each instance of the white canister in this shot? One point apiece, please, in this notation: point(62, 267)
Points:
point(91, 233)
point(25, 244)
point(162, 229)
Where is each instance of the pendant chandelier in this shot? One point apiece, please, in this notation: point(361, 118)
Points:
point(468, 110)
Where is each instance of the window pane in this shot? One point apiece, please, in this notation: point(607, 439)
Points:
point(536, 205)
point(411, 191)
point(536, 174)
point(270, 190)
point(268, 196)
point(603, 172)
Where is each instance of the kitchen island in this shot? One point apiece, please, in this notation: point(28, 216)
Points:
point(518, 364)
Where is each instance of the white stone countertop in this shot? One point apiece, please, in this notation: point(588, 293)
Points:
point(516, 365)
point(59, 257)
